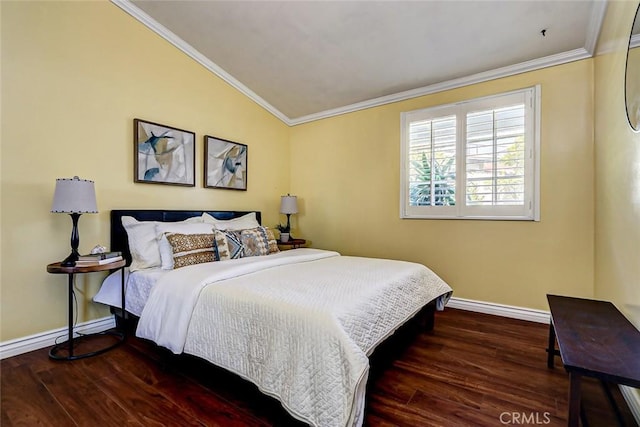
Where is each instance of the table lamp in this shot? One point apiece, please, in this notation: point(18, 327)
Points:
point(288, 206)
point(74, 196)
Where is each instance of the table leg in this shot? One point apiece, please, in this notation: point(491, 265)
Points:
point(70, 339)
point(123, 311)
point(551, 349)
point(574, 399)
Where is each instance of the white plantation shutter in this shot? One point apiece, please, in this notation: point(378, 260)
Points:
point(432, 153)
point(475, 159)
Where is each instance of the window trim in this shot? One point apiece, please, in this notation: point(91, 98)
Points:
point(461, 210)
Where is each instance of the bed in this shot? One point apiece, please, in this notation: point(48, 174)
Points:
point(299, 324)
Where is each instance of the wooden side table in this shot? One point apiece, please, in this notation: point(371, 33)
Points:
point(57, 351)
point(292, 244)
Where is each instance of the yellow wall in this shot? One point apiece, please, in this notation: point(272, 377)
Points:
point(346, 171)
point(74, 76)
point(617, 227)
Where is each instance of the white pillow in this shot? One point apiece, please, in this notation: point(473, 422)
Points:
point(241, 223)
point(166, 251)
point(143, 241)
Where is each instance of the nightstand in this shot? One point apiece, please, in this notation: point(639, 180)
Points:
point(292, 244)
point(65, 350)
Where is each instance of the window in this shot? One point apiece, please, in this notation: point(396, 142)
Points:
point(477, 159)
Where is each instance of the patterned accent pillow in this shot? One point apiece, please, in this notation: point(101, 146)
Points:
point(255, 241)
point(227, 245)
point(166, 251)
point(191, 249)
point(234, 244)
point(273, 243)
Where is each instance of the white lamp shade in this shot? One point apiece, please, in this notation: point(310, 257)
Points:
point(288, 204)
point(74, 195)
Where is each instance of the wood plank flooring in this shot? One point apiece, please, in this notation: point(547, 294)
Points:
point(471, 370)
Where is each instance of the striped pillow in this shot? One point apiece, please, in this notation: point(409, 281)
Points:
point(191, 249)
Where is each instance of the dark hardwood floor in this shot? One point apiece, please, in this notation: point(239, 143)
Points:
point(471, 370)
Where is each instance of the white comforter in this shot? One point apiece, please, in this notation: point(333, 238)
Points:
point(298, 324)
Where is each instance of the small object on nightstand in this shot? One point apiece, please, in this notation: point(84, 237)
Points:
point(99, 249)
point(65, 350)
point(292, 244)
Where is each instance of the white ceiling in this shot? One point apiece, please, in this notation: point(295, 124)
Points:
point(305, 60)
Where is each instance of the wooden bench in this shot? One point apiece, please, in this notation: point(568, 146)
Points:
point(594, 340)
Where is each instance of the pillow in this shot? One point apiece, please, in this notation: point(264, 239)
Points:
point(234, 244)
point(191, 249)
point(273, 243)
point(143, 241)
point(166, 252)
point(227, 245)
point(255, 241)
point(242, 222)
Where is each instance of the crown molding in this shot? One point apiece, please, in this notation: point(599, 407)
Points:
point(523, 67)
point(163, 32)
point(595, 25)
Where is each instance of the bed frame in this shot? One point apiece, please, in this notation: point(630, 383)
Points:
point(119, 242)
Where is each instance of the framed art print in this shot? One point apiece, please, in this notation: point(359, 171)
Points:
point(225, 164)
point(163, 154)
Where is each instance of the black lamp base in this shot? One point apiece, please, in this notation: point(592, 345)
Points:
point(289, 225)
point(70, 261)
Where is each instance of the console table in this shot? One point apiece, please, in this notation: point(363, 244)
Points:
point(594, 340)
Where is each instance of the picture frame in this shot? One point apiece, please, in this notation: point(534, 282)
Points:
point(225, 164)
point(163, 154)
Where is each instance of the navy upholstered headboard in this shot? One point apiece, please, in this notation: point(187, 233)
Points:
point(119, 241)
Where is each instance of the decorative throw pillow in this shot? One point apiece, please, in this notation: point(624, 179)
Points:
point(234, 244)
point(243, 222)
point(227, 245)
point(166, 251)
point(191, 249)
point(255, 241)
point(273, 243)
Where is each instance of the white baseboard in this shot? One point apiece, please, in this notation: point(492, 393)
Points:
point(532, 315)
point(48, 339)
point(632, 397)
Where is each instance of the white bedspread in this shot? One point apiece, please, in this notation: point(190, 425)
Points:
point(298, 324)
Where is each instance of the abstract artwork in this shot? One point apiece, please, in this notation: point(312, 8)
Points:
point(163, 154)
point(225, 164)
